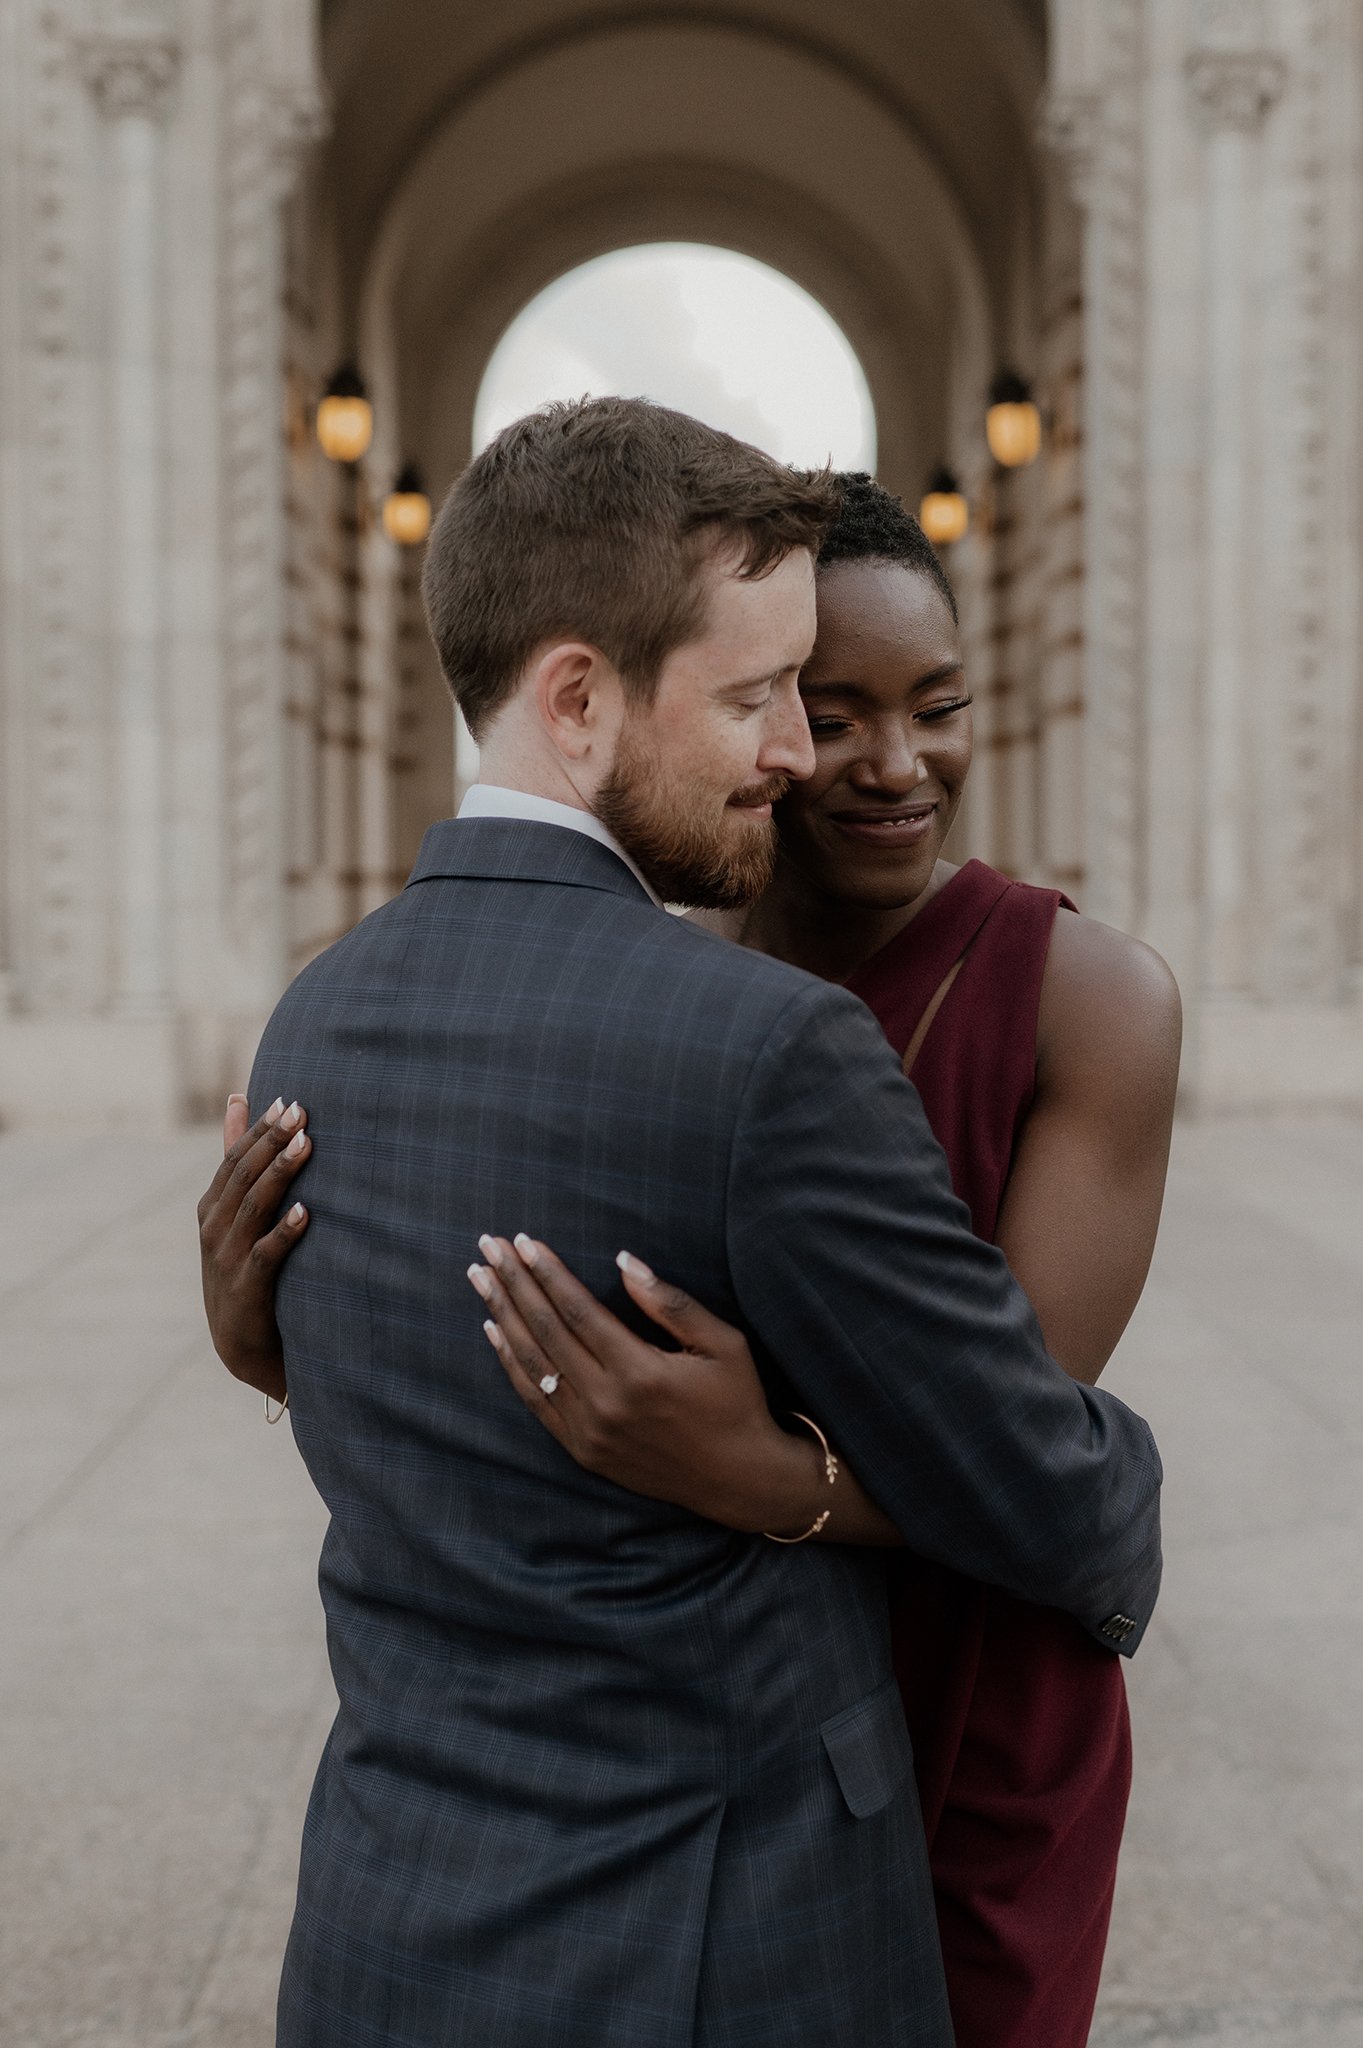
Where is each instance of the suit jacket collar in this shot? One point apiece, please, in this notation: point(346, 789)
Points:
point(514, 850)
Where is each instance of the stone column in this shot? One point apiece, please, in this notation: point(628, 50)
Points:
point(1232, 86)
point(131, 75)
point(1092, 122)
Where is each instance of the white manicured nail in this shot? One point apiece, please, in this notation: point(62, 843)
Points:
point(636, 1269)
point(525, 1248)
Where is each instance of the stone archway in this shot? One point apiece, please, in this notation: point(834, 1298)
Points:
point(577, 131)
point(219, 727)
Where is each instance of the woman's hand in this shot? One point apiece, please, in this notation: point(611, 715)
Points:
point(241, 1247)
point(689, 1426)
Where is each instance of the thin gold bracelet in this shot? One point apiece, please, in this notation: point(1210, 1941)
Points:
point(272, 1419)
point(830, 1466)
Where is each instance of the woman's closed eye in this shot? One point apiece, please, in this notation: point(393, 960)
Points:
point(933, 714)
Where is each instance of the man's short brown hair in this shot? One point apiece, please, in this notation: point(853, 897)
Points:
point(592, 521)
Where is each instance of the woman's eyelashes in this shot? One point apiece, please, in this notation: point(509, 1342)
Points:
point(931, 714)
point(828, 727)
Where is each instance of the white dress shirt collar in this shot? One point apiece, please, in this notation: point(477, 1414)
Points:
point(489, 800)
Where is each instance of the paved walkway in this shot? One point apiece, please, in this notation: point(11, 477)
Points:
point(163, 1694)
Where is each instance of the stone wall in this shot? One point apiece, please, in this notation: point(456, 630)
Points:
point(221, 729)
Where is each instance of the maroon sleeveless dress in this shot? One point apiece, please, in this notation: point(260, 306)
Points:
point(1018, 1718)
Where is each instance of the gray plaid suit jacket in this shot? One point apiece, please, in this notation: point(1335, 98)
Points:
point(605, 1775)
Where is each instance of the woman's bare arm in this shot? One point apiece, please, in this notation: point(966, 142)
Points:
point(1082, 1204)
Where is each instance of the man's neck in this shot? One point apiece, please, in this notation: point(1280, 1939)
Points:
point(509, 768)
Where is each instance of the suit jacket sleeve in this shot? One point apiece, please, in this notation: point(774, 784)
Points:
point(856, 1267)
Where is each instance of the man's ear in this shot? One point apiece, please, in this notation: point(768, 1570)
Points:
point(579, 699)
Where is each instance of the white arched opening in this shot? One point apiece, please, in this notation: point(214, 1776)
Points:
point(708, 330)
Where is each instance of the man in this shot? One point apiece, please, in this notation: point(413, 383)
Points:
point(603, 1772)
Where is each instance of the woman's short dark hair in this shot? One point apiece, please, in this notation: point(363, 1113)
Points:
point(592, 521)
point(873, 526)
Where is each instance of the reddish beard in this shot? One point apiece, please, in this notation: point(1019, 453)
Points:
point(718, 862)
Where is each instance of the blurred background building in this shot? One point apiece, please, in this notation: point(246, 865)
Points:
point(233, 230)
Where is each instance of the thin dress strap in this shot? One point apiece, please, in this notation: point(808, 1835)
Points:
point(900, 981)
point(968, 971)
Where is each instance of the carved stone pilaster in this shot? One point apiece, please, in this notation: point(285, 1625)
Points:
point(1304, 949)
point(267, 131)
point(1114, 484)
point(128, 72)
point(298, 119)
point(1234, 88)
point(130, 67)
point(1232, 84)
point(1069, 126)
point(61, 958)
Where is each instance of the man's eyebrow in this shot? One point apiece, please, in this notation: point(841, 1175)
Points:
point(833, 689)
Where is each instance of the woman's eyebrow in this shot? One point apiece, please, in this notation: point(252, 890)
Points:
point(940, 675)
point(835, 689)
point(830, 689)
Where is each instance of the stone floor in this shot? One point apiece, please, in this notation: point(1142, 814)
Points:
point(163, 1693)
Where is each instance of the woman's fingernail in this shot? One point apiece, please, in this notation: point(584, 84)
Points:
point(234, 1097)
point(296, 1214)
point(290, 1117)
point(275, 1110)
point(295, 1145)
point(478, 1275)
point(491, 1250)
point(493, 1335)
point(525, 1248)
point(636, 1269)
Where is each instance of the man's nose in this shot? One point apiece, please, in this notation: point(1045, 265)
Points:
point(787, 745)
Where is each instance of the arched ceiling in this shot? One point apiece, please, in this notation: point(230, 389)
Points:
point(964, 78)
point(677, 132)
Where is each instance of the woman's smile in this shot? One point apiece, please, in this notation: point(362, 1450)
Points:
point(905, 824)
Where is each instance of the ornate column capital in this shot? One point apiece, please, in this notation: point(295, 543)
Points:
point(129, 73)
point(1069, 123)
point(299, 119)
point(1234, 88)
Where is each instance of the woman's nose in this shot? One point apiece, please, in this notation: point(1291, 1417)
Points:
point(899, 769)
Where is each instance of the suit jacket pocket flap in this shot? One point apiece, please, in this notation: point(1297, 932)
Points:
point(868, 1746)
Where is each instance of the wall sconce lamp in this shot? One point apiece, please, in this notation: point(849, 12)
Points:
point(1012, 425)
point(944, 514)
point(407, 509)
point(345, 417)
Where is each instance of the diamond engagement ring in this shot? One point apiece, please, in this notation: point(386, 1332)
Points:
point(548, 1383)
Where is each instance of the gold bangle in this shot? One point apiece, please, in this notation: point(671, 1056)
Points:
point(272, 1419)
point(830, 1466)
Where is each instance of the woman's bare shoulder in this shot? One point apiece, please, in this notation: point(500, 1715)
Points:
point(1106, 996)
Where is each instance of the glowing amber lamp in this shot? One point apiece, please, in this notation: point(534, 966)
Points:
point(1012, 424)
point(407, 509)
point(345, 417)
point(944, 514)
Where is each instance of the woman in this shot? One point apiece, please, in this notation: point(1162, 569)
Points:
point(1045, 1048)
